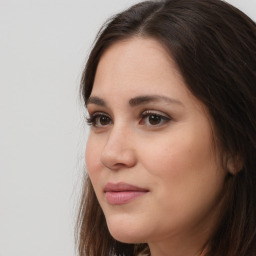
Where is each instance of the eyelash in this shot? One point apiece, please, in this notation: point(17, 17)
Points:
point(92, 120)
point(163, 118)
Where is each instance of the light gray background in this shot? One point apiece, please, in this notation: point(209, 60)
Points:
point(43, 46)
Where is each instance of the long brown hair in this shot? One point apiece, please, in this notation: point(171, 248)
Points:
point(214, 47)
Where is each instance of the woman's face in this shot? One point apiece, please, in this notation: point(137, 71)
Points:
point(150, 153)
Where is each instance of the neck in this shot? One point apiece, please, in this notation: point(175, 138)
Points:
point(177, 247)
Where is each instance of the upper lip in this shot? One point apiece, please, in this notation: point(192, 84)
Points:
point(121, 186)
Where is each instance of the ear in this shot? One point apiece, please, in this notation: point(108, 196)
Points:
point(234, 164)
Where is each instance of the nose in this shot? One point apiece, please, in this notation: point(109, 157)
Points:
point(119, 151)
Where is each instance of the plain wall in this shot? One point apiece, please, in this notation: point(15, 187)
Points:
point(43, 47)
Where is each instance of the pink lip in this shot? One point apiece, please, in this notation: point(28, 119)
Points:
point(122, 193)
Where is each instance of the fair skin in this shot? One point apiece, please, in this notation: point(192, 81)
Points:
point(150, 132)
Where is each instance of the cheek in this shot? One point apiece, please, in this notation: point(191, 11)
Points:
point(178, 156)
point(184, 168)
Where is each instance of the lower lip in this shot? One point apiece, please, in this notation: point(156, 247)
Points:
point(122, 197)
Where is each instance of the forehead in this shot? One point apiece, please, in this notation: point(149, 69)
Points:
point(136, 64)
point(137, 48)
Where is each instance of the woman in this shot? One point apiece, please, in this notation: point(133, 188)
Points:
point(170, 88)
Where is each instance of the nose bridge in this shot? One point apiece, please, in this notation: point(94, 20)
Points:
point(118, 150)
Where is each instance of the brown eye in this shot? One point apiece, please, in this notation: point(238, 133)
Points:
point(154, 119)
point(103, 120)
point(99, 120)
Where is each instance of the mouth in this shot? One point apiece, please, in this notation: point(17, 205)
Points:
point(122, 193)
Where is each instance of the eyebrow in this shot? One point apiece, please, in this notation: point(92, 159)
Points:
point(140, 100)
point(96, 101)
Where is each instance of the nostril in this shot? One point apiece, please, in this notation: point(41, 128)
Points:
point(118, 151)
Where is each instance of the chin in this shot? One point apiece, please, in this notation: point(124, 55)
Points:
point(126, 237)
point(126, 232)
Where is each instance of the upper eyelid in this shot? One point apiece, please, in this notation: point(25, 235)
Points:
point(143, 112)
point(91, 108)
point(92, 116)
point(95, 113)
point(156, 112)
